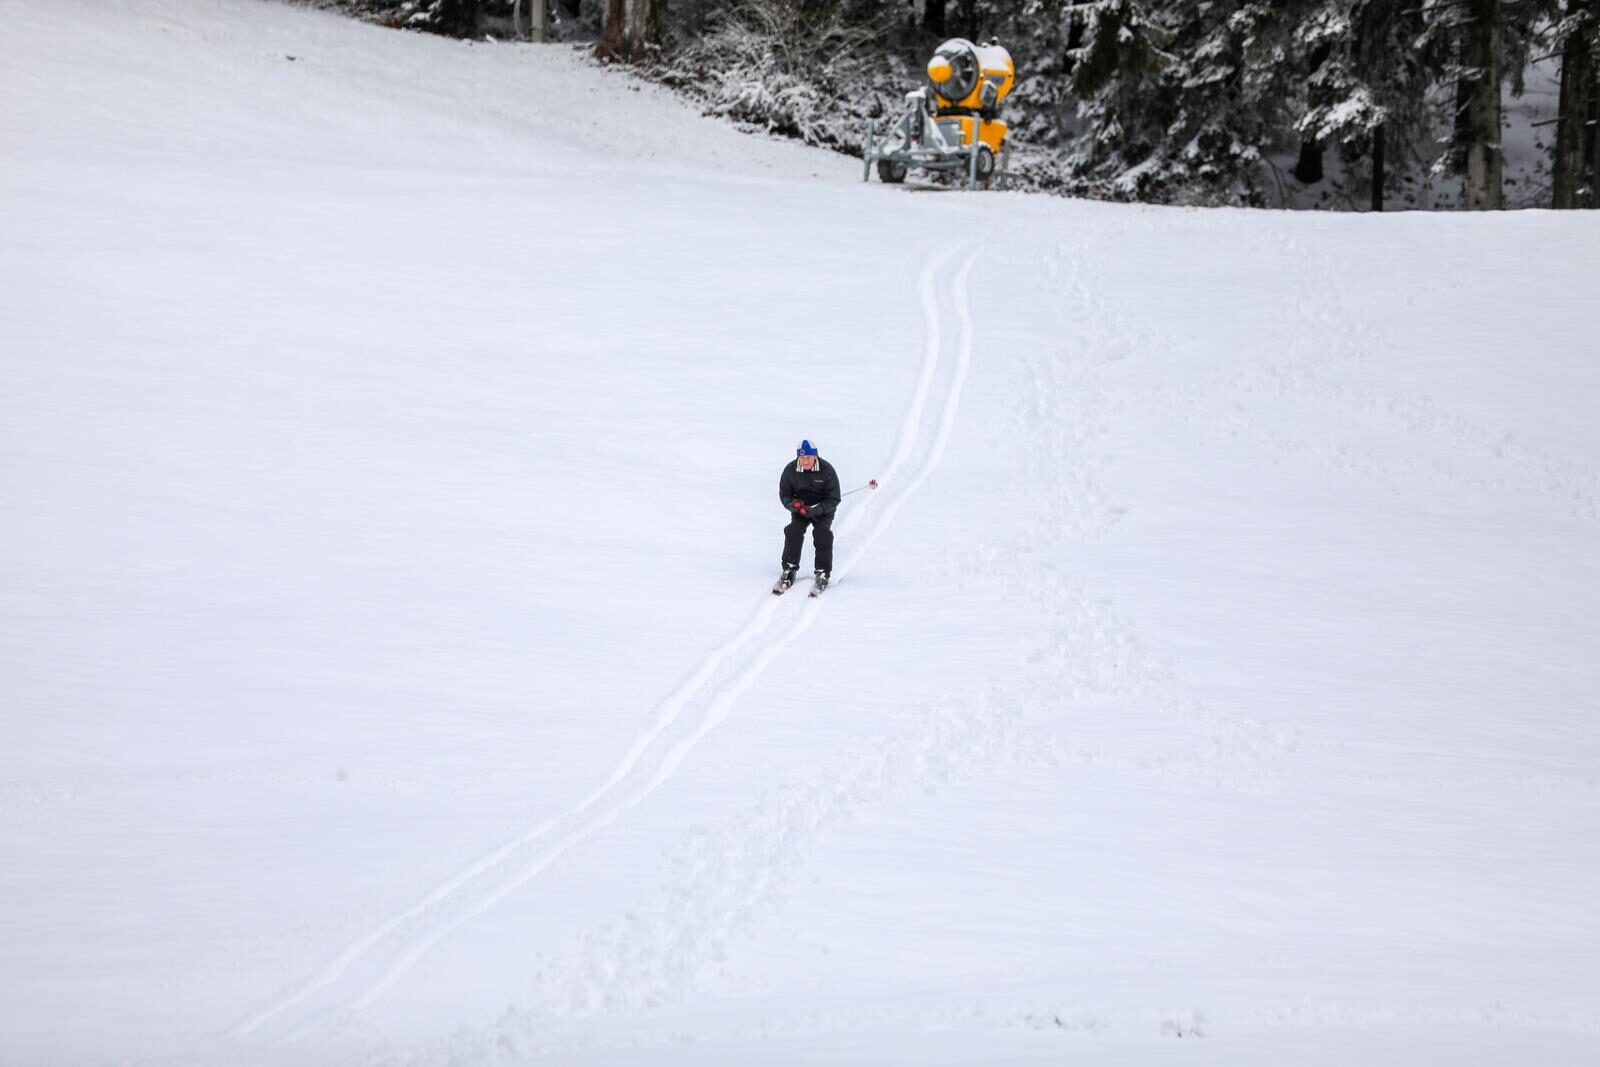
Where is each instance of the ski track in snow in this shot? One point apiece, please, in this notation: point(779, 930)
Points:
point(369, 966)
point(723, 881)
point(726, 880)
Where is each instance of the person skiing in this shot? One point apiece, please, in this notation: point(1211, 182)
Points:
point(809, 490)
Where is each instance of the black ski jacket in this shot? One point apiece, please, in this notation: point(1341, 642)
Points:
point(817, 489)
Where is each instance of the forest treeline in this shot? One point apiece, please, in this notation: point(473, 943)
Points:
point(1169, 101)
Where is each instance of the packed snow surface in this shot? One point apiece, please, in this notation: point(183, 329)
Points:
point(390, 432)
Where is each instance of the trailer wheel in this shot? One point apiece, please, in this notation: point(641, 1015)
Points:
point(891, 171)
point(985, 163)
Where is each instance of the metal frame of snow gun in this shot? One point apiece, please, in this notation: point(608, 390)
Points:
point(921, 138)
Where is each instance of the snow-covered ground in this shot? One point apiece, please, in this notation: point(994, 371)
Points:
point(389, 432)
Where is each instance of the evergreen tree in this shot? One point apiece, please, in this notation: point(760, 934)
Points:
point(1577, 149)
point(1117, 79)
point(1476, 151)
point(1368, 87)
point(1184, 101)
point(1163, 100)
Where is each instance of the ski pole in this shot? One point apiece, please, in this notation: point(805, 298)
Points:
point(872, 483)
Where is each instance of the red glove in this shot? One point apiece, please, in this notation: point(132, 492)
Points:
point(801, 508)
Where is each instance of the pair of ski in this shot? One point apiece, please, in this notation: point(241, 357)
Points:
point(784, 585)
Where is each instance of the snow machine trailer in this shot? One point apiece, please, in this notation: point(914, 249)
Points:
point(952, 124)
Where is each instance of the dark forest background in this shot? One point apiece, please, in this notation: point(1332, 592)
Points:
point(1339, 103)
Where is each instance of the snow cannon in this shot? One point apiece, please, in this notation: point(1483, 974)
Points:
point(952, 124)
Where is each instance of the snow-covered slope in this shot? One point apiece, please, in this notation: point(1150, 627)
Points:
point(390, 430)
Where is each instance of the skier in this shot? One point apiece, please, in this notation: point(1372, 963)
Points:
point(809, 489)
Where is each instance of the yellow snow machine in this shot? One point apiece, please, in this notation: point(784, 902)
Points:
point(951, 124)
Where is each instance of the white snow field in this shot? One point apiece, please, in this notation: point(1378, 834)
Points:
point(389, 438)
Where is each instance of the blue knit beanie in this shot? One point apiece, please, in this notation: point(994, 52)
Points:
point(806, 449)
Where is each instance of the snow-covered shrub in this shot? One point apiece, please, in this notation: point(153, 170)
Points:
point(450, 18)
point(793, 68)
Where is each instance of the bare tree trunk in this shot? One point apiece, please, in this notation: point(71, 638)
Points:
point(612, 43)
point(933, 19)
point(1481, 58)
point(1591, 190)
point(1575, 165)
point(1308, 168)
point(1379, 175)
point(1460, 127)
point(632, 28)
point(969, 19)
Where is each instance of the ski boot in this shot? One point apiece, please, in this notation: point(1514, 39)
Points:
point(785, 580)
point(822, 584)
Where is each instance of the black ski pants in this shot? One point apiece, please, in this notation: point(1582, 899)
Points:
point(794, 538)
